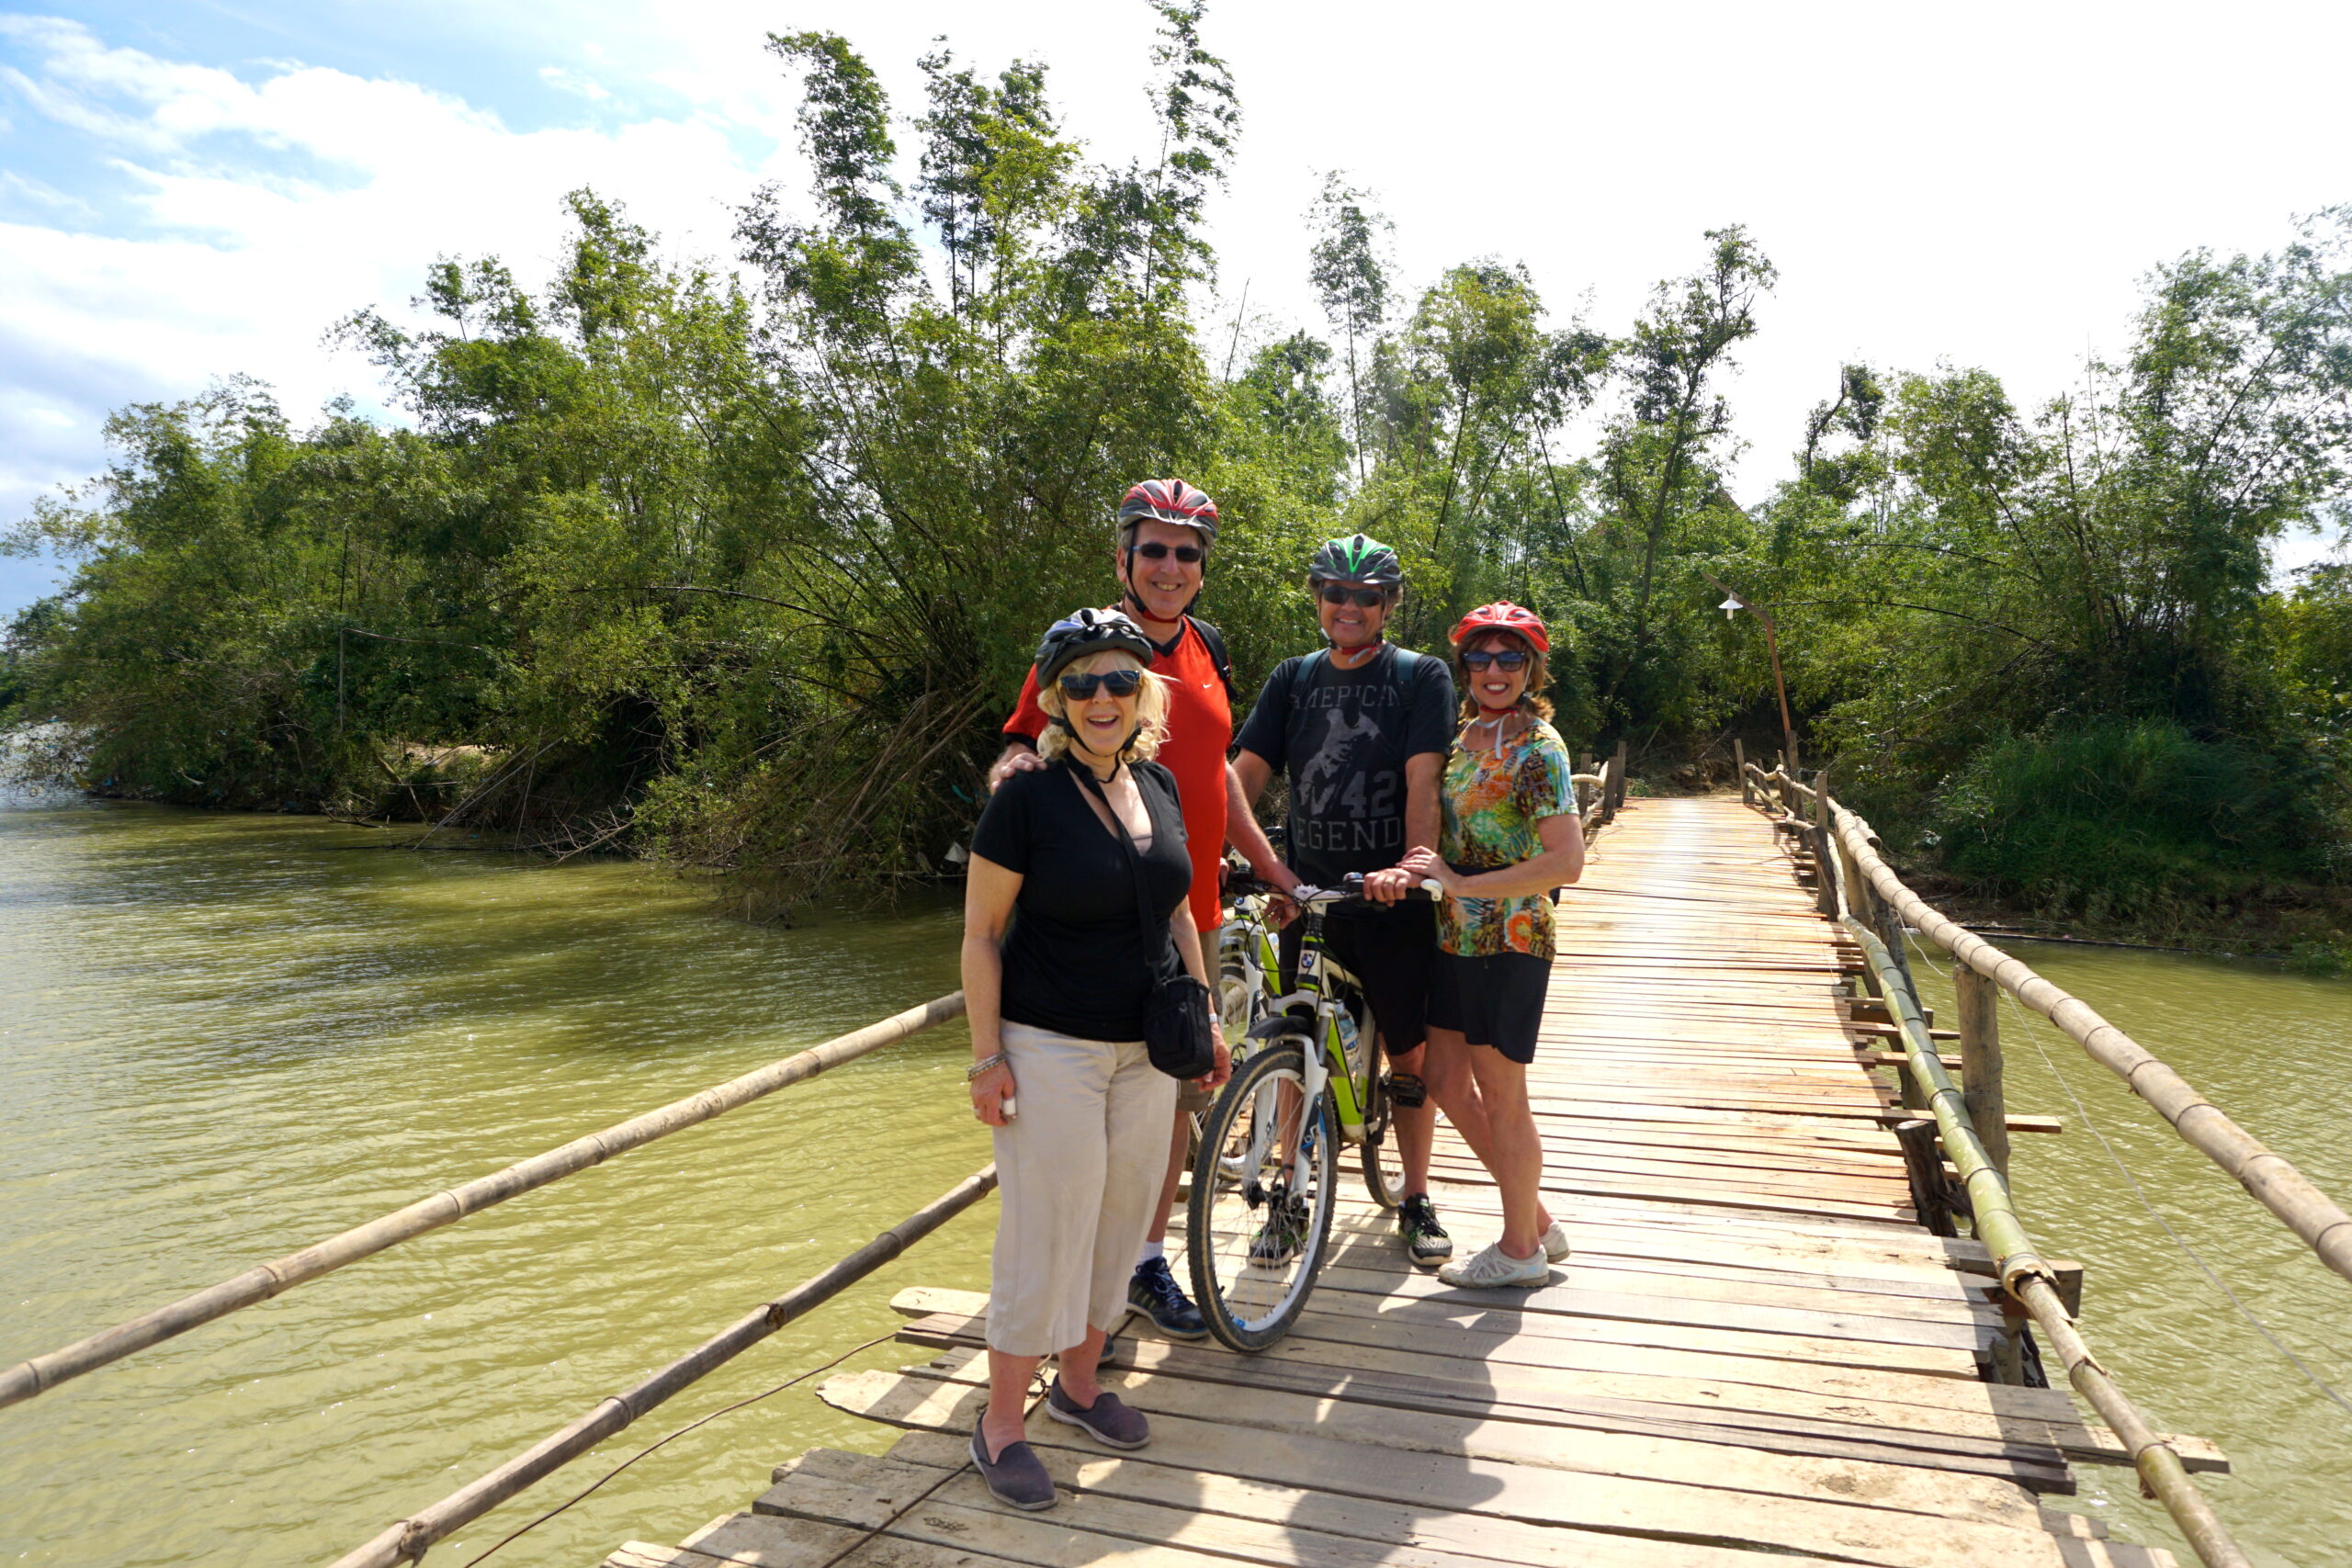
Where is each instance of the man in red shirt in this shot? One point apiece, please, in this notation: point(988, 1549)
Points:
point(1166, 531)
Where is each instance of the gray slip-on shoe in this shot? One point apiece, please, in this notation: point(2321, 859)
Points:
point(1111, 1421)
point(1016, 1477)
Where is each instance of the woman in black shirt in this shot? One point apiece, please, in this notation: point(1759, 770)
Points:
point(1058, 965)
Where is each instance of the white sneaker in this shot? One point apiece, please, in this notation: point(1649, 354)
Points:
point(1555, 1244)
point(1492, 1265)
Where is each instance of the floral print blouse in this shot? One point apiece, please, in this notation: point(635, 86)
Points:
point(1493, 801)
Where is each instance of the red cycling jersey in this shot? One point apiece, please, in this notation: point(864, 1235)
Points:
point(1200, 727)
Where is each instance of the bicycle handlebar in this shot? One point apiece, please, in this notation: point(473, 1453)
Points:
point(1350, 890)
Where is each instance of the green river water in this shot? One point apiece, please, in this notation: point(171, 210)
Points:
point(221, 1037)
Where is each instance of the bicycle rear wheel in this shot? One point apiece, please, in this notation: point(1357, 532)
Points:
point(1384, 1167)
point(1260, 1217)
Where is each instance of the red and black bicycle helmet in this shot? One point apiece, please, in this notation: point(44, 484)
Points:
point(1502, 616)
point(1169, 501)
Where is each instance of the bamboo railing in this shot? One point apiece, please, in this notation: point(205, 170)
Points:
point(2023, 1273)
point(2269, 1177)
point(407, 1539)
point(257, 1284)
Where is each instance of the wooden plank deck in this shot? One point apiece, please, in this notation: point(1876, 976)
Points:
point(1755, 1357)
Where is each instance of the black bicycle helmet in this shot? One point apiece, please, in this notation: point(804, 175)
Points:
point(1356, 557)
point(1089, 631)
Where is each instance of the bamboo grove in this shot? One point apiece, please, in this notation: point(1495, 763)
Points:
point(739, 568)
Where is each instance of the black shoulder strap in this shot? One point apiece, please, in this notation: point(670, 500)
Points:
point(1144, 921)
point(1213, 640)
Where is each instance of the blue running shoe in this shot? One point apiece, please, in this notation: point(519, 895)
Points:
point(1155, 1294)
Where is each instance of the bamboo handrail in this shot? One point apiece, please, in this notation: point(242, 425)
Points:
point(43, 1372)
point(2270, 1178)
point(406, 1540)
point(2023, 1272)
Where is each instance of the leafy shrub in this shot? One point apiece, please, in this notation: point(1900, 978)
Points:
point(2130, 820)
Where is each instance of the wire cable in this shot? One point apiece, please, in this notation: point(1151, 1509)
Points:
point(2253, 1319)
point(723, 1410)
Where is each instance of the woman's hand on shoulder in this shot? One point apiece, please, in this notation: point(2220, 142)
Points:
point(1424, 864)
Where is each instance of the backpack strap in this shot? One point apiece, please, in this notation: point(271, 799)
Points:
point(1213, 640)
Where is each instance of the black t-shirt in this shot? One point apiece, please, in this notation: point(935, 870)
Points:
point(1074, 959)
point(1342, 736)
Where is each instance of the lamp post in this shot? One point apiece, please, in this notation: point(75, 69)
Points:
point(1731, 606)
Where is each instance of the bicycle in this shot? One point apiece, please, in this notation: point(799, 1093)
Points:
point(1263, 1179)
point(1247, 963)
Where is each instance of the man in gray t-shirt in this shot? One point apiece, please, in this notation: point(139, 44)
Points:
point(1360, 729)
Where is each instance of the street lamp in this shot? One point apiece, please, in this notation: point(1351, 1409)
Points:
point(1731, 607)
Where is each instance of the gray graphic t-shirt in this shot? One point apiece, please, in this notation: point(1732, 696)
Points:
point(1342, 736)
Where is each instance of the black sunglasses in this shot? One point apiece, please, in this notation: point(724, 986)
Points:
point(1118, 683)
point(1191, 555)
point(1362, 598)
point(1510, 658)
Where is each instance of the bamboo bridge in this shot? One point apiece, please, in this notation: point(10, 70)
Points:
point(1772, 1343)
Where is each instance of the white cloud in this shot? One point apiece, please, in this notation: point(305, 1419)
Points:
point(264, 211)
point(575, 81)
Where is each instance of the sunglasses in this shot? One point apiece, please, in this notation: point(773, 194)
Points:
point(1191, 555)
point(1513, 659)
point(1118, 683)
point(1362, 598)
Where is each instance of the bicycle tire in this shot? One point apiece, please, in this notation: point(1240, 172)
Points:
point(1241, 1006)
point(1384, 1170)
point(1250, 1305)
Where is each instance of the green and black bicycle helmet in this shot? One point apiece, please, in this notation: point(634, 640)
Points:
point(1088, 631)
point(1356, 557)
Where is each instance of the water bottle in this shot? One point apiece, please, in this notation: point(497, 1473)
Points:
point(1351, 1046)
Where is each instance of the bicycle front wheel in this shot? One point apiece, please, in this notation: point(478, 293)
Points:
point(1260, 1217)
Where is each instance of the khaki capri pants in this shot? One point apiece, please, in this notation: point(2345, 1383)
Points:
point(1078, 1171)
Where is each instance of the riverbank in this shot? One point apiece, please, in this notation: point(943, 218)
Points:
point(2307, 929)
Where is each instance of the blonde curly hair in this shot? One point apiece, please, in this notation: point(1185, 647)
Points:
point(1151, 706)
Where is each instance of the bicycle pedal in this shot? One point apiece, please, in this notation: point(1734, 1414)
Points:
point(1406, 1090)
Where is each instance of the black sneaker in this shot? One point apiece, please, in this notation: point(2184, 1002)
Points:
point(1284, 1232)
point(1426, 1242)
point(1154, 1293)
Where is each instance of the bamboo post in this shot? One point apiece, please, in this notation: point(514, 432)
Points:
point(27, 1379)
point(1979, 1003)
point(1824, 857)
point(1739, 762)
point(2273, 1181)
point(1617, 781)
point(406, 1541)
point(1923, 1163)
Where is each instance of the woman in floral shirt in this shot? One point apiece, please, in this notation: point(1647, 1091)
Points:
point(1511, 835)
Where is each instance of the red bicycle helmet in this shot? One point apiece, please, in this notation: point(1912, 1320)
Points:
point(1170, 500)
point(1502, 616)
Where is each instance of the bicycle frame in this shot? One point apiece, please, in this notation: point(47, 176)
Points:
point(1318, 975)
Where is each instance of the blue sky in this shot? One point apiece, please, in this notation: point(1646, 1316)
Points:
point(192, 190)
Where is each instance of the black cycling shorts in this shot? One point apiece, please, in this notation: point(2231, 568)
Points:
point(1390, 952)
point(1495, 1001)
